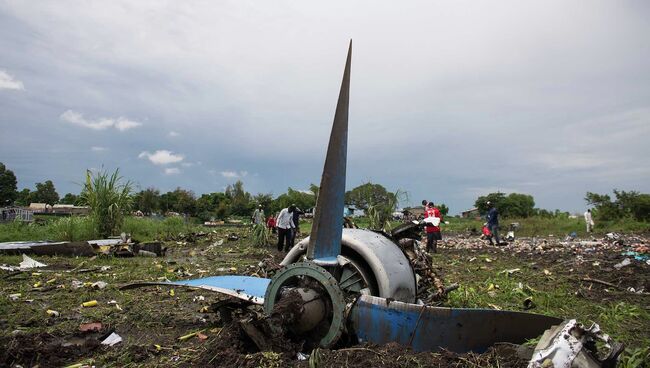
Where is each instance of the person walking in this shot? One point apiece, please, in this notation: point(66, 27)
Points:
point(492, 222)
point(296, 222)
point(270, 223)
point(589, 221)
point(258, 216)
point(432, 220)
point(285, 226)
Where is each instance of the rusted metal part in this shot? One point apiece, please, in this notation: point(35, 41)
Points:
point(325, 239)
point(426, 328)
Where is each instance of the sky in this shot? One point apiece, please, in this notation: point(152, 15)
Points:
point(449, 100)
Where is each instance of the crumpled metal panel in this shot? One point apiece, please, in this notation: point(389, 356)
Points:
point(380, 321)
point(325, 237)
point(390, 267)
point(247, 288)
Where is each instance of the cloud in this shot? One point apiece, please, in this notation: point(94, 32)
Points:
point(77, 118)
point(162, 157)
point(8, 82)
point(173, 134)
point(234, 174)
point(123, 124)
point(98, 149)
point(172, 171)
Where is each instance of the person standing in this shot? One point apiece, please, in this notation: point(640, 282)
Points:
point(285, 226)
point(258, 216)
point(296, 222)
point(492, 222)
point(432, 220)
point(589, 221)
point(270, 223)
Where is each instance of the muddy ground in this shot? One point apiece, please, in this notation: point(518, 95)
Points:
point(557, 276)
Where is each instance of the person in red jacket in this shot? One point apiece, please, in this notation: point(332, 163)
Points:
point(270, 223)
point(432, 220)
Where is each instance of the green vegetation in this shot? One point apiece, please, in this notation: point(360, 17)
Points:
point(109, 200)
point(630, 204)
point(8, 182)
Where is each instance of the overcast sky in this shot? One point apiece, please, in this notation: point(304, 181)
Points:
point(449, 99)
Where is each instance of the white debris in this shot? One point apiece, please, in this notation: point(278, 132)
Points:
point(29, 263)
point(569, 345)
point(198, 298)
point(302, 356)
point(99, 285)
point(623, 263)
point(112, 339)
point(15, 297)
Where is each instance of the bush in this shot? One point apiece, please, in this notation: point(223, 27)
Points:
point(109, 200)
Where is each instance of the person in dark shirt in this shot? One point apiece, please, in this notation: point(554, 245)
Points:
point(492, 222)
point(296, 221)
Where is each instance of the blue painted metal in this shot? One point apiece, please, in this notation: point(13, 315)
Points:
point(379, 321)
point(325, 239)
point(243, 287)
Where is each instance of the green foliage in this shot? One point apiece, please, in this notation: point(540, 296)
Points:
point(444, 210)
point(45, 193)
point(380, 214)
point(627, 204)
point(512, 205)
point(180, 201)
point(147, 201)
point(73, 229)
point(70, 198)
point(8, 189)
point(24, 197)
point(240, 200)
point(367, 195)
point(635, 358)
point(260, 235)
point(109, 200)
point(301, 199)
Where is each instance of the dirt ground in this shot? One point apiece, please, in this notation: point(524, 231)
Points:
point(567, 279)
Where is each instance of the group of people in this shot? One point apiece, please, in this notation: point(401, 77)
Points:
point(286, 223)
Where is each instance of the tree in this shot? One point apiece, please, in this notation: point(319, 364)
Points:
point(45, 193)
point(8, 188)
point(627, 204)
point(314, 189)
point(69, 198)
point(512, 205)
point(24, 197)
point(240, 200)
point(368, 194)
point(212, 205)
point(444, 210)
point(301, 199)
point(147, 201)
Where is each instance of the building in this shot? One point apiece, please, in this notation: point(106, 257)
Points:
point(471, 213)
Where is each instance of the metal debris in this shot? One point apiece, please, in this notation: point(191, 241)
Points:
point(570, 345)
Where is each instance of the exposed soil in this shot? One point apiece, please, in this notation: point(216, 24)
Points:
point(151, 320)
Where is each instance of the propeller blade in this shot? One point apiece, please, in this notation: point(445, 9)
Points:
point(247, 288)
point(325, 240)
point(379, 321)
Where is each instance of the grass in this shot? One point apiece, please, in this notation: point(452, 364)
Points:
point(154, 317)
point(484, 284)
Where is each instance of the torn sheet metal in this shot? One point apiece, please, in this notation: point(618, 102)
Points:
point(29, 263)
point(570, 345)
point(247, 288)
point(380, 321)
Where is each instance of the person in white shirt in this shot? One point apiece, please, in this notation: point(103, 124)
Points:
point(285, 226)
point(258, 216)
point(589, 221)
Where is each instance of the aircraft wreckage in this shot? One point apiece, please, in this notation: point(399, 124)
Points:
point(356, 285)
